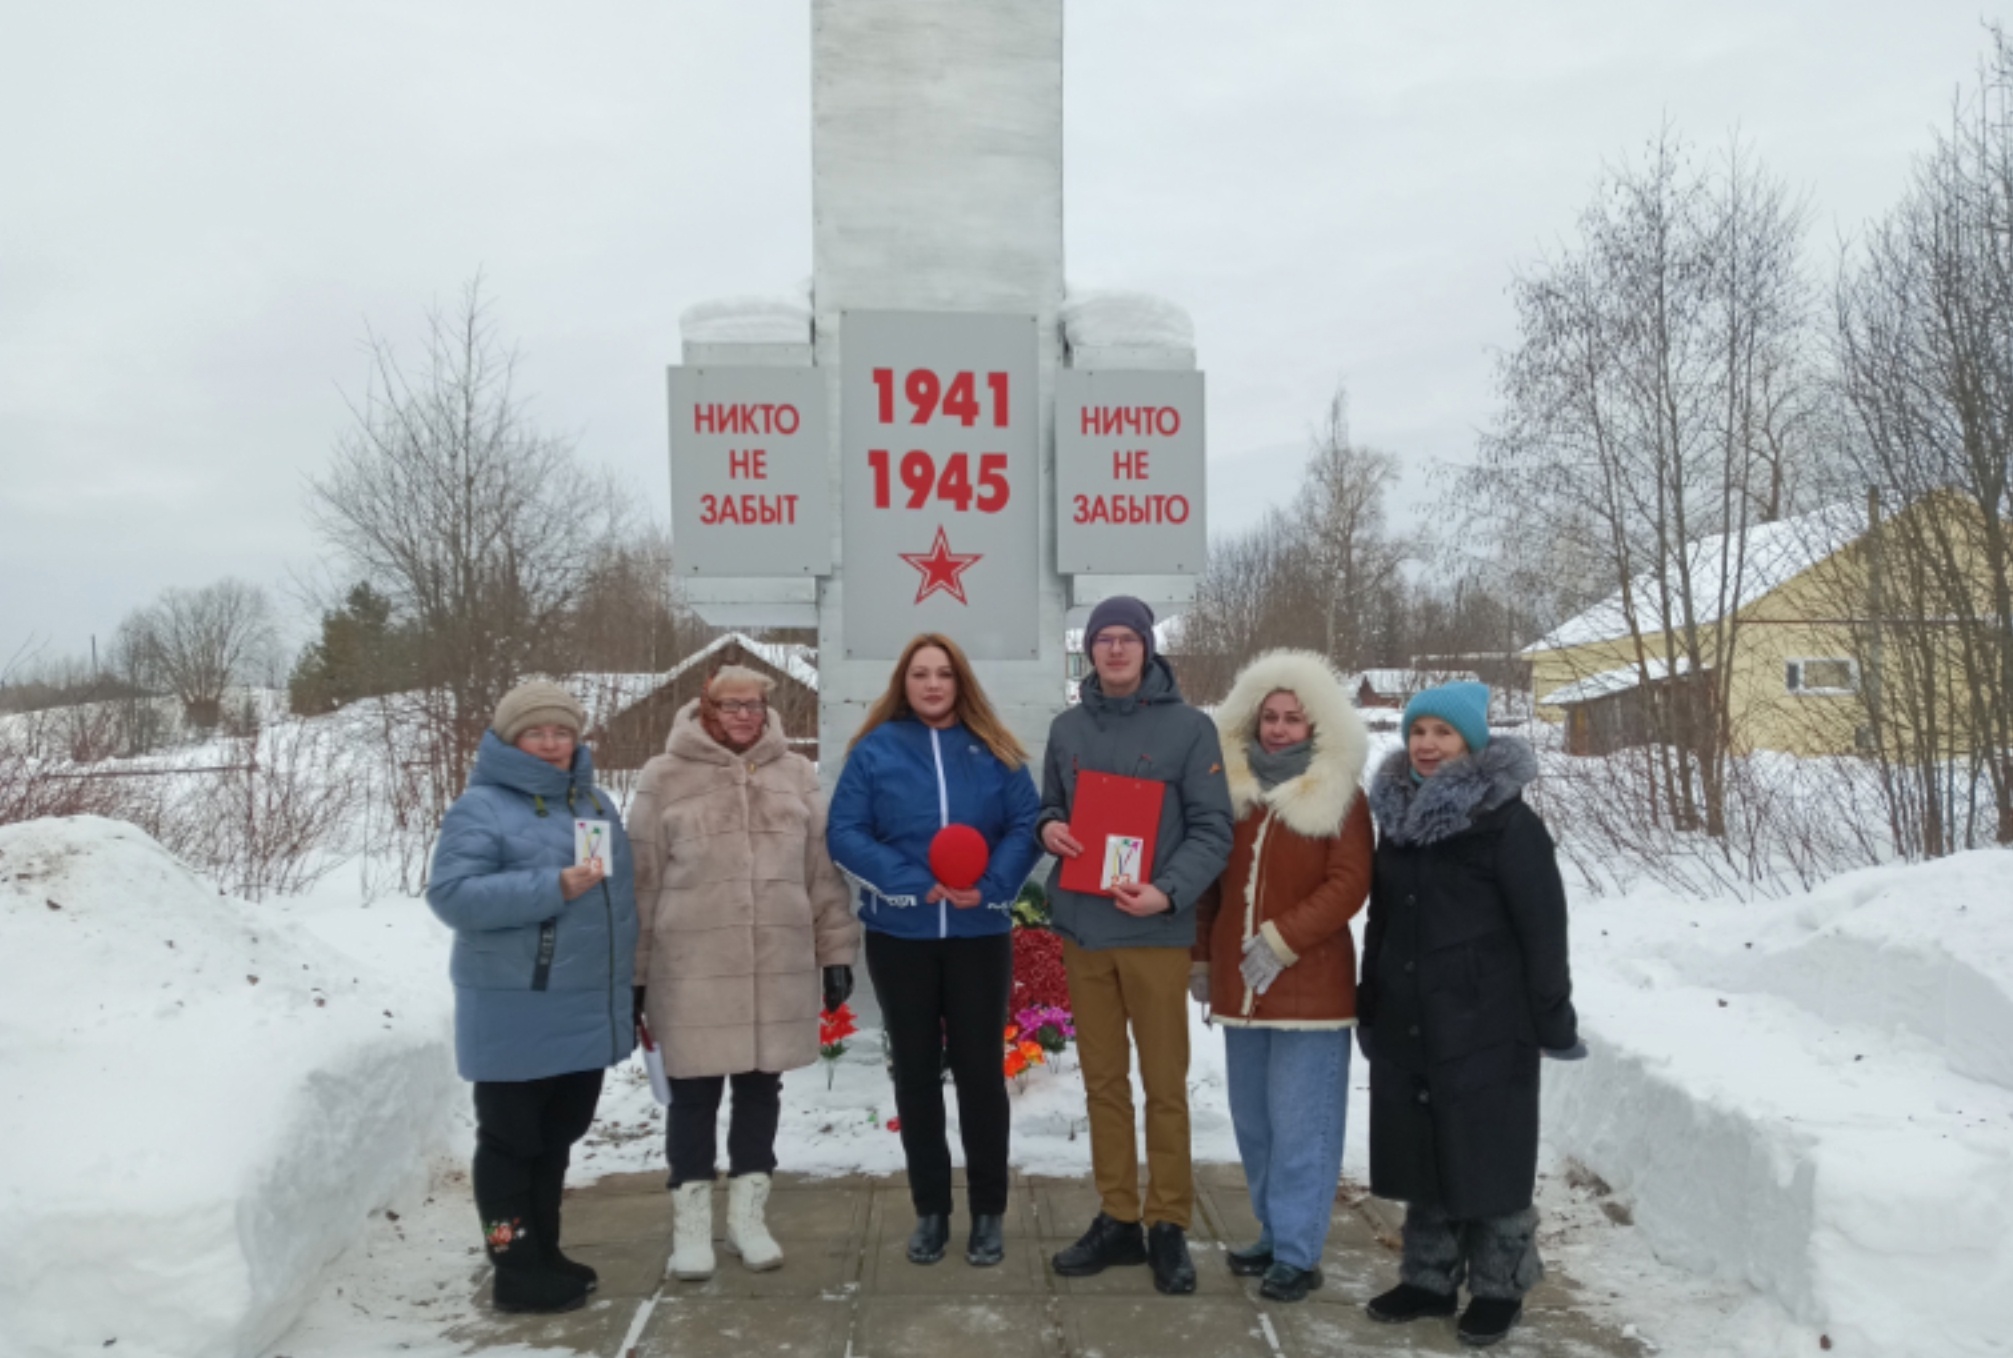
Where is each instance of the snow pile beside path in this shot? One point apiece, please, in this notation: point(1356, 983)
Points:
point(201, 1101)
point(1814, 1096)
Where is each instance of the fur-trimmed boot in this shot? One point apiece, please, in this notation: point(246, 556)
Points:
point(747, 1234)
point(692, 1231)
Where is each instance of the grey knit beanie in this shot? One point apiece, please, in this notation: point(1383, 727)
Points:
point(1120, 610)
point(537, 703)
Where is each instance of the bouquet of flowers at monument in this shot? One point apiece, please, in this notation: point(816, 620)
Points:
point(1037, 1033)
point(1038, 980)
point(834, 1027)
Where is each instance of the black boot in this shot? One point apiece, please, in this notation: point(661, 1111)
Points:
point(547, 1189)
point(927, 1241)
point(1407, 1302)
point(1488, 1319)
point(1167, 1251)
point(1105, 1244)
point(522, 1281)
point(1283, 1282)
point(987, 1245)
point(1250, 1261)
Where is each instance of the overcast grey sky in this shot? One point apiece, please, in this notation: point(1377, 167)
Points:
point(203, 204)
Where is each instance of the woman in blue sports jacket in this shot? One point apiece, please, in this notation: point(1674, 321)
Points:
point(933, 753)
point(544, 955)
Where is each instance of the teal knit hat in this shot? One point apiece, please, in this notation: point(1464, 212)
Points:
point(1463, 706)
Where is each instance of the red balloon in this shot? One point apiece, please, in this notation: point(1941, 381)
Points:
point(958, 856)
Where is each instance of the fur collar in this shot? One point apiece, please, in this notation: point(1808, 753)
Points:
point(1315, 803)
point(689, 740)
point(1411, 813)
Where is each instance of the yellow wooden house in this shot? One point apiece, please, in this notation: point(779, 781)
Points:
point(1784, 605)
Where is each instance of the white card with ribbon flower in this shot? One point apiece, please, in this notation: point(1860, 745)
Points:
point(1121, 860)
point(590, 842)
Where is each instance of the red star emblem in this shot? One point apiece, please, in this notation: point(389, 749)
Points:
point(942, 568)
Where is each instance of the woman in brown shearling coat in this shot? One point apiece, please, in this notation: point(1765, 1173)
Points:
point(1273, 956)
point(745, 928)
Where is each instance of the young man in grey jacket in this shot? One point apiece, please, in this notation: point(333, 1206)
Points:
point(1126, 955)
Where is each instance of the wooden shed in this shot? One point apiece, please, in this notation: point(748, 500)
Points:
point(638, 730)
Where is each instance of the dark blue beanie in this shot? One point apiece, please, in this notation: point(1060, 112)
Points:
point(1120, 610)
point(1463, 706)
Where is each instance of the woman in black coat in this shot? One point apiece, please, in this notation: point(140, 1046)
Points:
point(1465, 982)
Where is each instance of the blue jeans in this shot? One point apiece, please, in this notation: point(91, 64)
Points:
point(1289, 1103)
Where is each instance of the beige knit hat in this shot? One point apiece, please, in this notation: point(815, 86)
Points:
point(537, 703)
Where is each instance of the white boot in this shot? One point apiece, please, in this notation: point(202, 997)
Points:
point(747, 1234)
point(692, 1230)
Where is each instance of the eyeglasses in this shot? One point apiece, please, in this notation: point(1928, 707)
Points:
point(1116, 641)
point(734, 707)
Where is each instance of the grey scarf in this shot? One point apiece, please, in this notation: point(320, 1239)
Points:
point(1273, 769)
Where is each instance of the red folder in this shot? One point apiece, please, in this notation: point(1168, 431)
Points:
point(1112, 808)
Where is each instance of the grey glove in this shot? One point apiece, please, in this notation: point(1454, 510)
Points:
point(1198, 982)
point(1576, 1052)
point(1261, 966)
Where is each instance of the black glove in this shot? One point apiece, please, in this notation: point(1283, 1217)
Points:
point(1576, 1052)
point(636, 1013)
point(1364, 1042)
point(838, 986)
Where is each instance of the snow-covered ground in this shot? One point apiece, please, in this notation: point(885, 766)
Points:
point(1813, 1097)
point(1796, 1126)
point(201, 1100)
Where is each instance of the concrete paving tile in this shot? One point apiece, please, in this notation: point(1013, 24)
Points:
point(1212, 1278)
point(1063, 1207)
point(1113, 1328)
point(1228, 1174)
point(628, 1268)
point(595, 1219)
point(821, 1213)
point(906, 1327)
point(680, 1328)
point(617, 1186)
point(811, 1271)
point(1228, 1214)
point(596, 1328)
point(886, 1270)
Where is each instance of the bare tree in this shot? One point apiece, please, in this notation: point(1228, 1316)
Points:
point(1654, 410)
point(1341, 530)
point(198, 643)
point(480, 527)
point(1925, 338)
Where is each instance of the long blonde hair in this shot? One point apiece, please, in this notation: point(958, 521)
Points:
point(972, 707)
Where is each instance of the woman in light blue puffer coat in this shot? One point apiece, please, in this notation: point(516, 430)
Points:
point(544, 951)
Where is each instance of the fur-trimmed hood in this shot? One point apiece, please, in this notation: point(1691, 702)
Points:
point(1315, 803)
point(1411, 812)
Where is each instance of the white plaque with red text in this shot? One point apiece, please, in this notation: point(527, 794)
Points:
point(751, 489)
point(940, 474)
point(1129, 473)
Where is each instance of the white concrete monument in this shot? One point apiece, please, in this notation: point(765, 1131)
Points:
point(923, 492)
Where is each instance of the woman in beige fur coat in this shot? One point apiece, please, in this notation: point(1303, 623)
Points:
point(745, 927)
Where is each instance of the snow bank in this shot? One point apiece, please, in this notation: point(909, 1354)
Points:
point(203, 1099)
point(1811, 1096)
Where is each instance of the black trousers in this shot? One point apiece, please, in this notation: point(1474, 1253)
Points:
point(943, 996)
point(691, 1131)
point(524, 1135)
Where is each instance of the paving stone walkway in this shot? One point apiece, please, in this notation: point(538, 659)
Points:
point(846, 1291)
